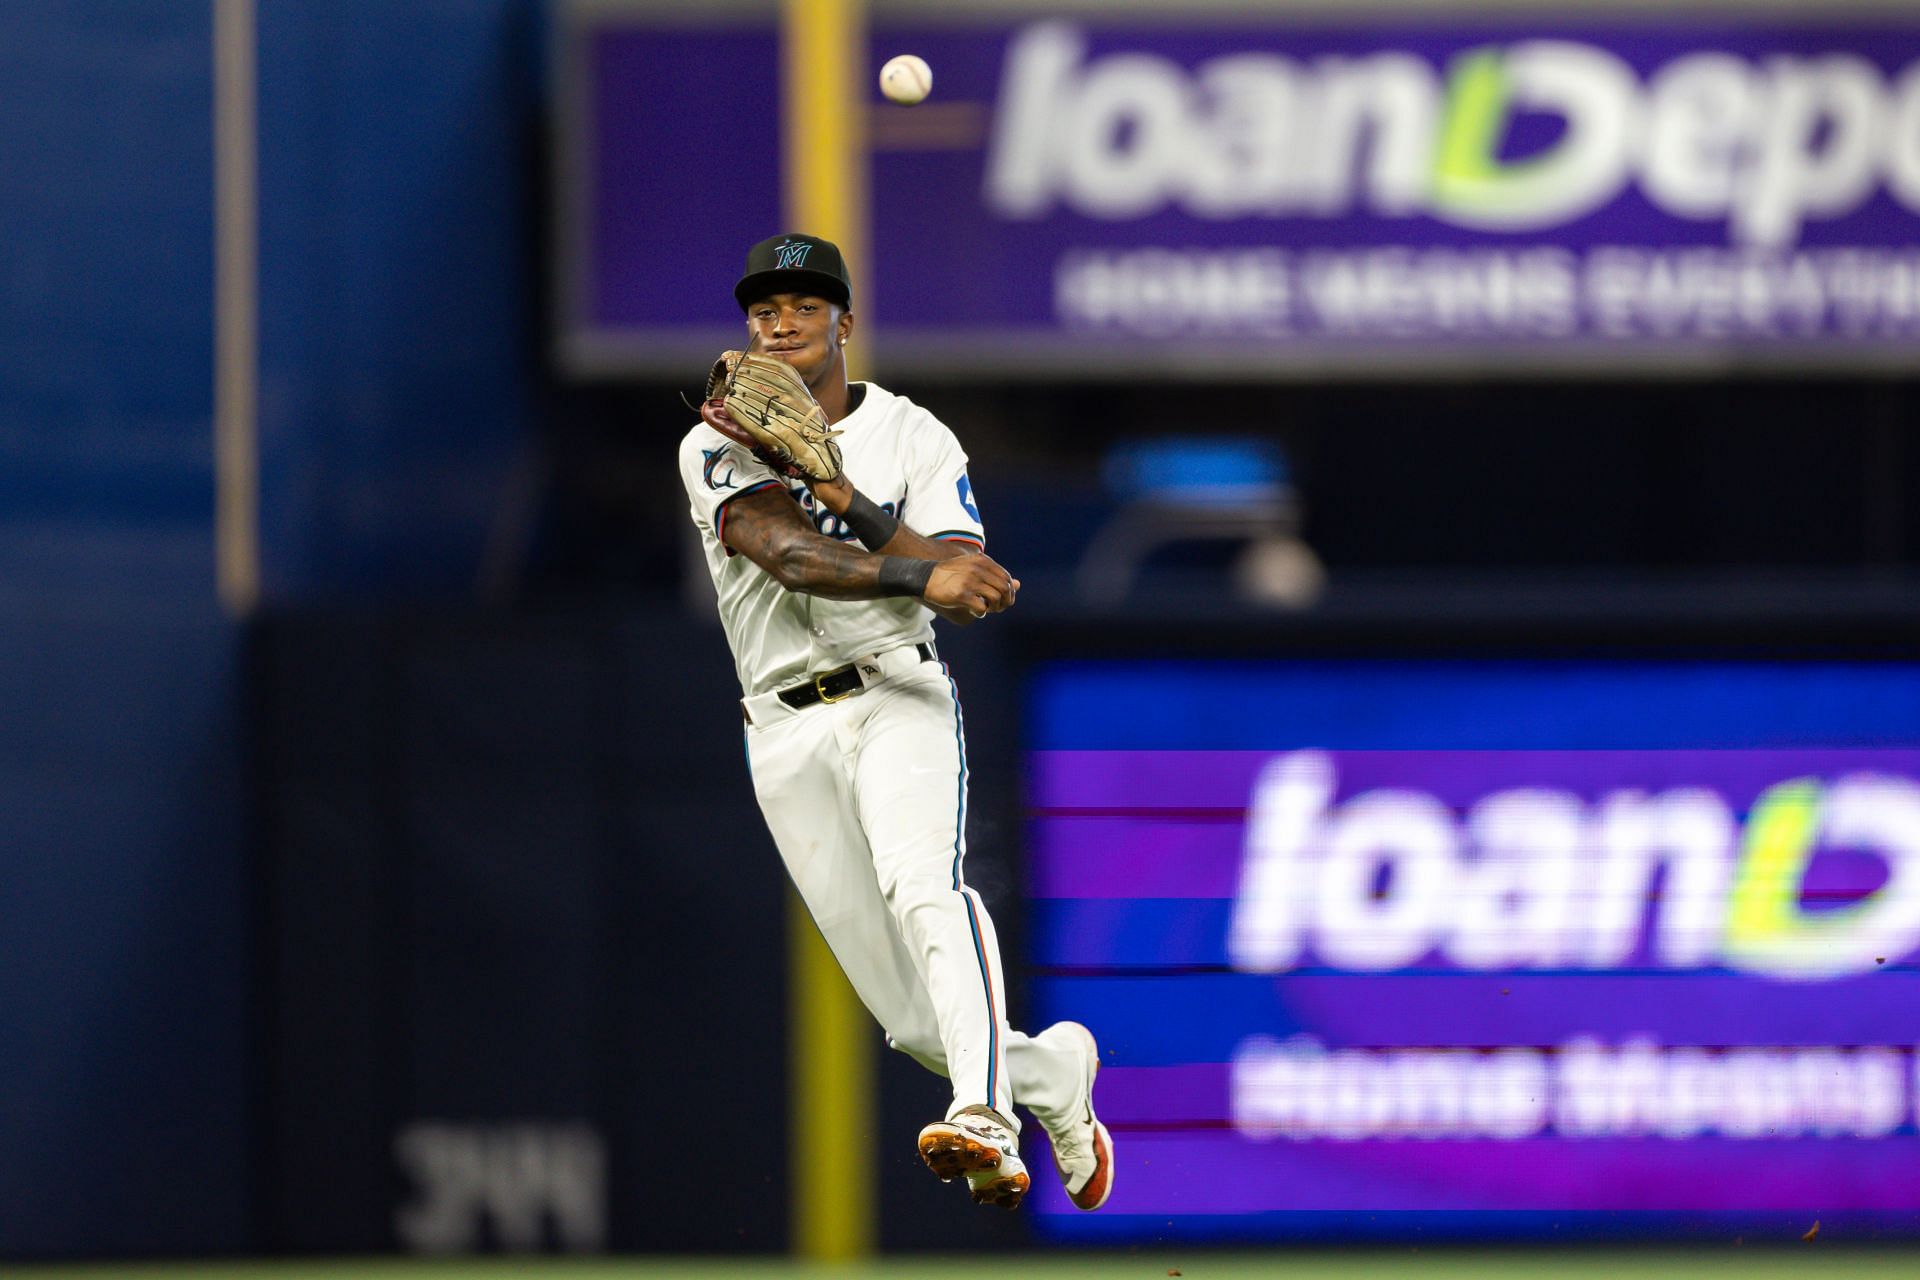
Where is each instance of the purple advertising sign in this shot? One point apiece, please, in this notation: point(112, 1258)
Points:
point(1669, 987)
point(1162, 197)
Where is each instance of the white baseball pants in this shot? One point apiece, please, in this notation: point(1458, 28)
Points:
point(866, 799)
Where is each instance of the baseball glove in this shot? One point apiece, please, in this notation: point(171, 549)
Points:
point(769, 408)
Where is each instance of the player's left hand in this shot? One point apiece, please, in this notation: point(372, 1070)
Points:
point(765, 404)
point(713, 412)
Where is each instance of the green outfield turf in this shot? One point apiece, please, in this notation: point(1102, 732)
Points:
point(1805, 1262)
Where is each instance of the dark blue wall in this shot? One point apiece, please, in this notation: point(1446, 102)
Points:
point(122, 957)
point(398, 167)
point(398, 163)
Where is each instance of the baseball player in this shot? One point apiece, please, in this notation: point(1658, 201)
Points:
point(855, 740)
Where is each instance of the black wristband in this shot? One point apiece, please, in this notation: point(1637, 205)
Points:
point(904, 576)
point(874, 527)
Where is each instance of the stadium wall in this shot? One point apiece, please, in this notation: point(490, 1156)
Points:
point(395, 274)
point(122, 989)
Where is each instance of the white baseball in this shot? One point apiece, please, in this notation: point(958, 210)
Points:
point(906, 79)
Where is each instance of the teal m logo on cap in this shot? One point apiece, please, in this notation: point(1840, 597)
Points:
point(791, 256)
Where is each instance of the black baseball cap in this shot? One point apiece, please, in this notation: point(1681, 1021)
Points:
point(795, 264)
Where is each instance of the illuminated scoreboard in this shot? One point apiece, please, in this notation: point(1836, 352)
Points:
point(1485, 949)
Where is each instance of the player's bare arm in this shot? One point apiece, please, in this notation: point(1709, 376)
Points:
point(770, 529)
point(838, 496)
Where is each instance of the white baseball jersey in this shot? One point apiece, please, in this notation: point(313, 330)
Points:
point(902, 458)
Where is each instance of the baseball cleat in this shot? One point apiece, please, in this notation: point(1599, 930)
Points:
point(1082, 1147)
point(979, 1144)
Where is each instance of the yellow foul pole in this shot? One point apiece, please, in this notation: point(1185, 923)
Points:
point(832, 1044)
point(236, 306)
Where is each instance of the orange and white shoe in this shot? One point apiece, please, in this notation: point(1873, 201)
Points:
point(979, 1143)
point(1082, 1147)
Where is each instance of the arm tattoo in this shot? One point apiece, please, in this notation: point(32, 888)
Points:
point(770, 530)
point(833, 570)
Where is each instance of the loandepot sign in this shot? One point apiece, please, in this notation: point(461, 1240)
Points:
point(1158, 197)
point(1335, 187)
point(1538, 878)
point(1763, 145)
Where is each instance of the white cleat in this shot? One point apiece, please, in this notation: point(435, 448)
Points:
point(1082, 1147)
point(979, 1143)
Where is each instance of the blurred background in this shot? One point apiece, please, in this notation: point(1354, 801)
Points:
point(1458, 742)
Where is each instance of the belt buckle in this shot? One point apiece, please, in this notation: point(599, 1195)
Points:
point(834, 697)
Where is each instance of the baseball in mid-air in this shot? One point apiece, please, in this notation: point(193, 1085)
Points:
point(906, 79)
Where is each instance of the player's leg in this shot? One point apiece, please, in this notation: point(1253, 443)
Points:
point(802, 782)
point(910, 776)
point(1046, 1072)
point(1062, 1062)
point(910, 794)
point(804, 788)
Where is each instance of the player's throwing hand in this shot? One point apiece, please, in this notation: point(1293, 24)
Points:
point(974, 582)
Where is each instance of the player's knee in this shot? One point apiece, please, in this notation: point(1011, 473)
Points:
point(913, 891)
point(922, 1044)
point(922, 921)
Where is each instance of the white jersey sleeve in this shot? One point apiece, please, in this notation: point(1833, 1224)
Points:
point(715, 471)
point(940, 503)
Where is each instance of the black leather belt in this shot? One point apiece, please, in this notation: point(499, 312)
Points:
point(836, 686)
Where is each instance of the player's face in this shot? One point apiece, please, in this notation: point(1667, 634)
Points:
point(804, 330)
